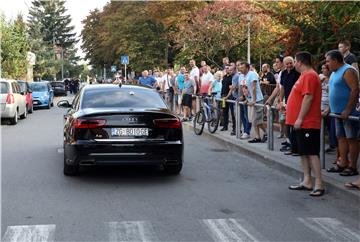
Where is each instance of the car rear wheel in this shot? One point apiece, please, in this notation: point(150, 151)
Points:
point(24, 115)
point(14, 120)
point(70, 170)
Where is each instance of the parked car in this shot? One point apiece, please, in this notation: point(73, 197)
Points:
point(25, 88)
point(111, 125)
point(13, 101)
point(59, 88)
point(43, 94)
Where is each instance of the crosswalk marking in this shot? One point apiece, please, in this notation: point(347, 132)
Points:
point(35, 233)
point(230, 230)
point(131, 231)
point(331, 229)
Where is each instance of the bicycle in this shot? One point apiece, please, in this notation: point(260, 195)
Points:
point(207, 114)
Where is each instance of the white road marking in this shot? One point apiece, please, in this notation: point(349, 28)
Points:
point(331, 229)
point(231, 230)
point(29, 233)
point(131, 231)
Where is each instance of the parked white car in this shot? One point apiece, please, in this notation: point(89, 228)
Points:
point(13, 101)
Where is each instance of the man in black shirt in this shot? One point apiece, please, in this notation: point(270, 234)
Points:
point(225, 93)
point(267, 77)
point(349, 58)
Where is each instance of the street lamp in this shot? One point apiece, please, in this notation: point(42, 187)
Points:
point(248, 37)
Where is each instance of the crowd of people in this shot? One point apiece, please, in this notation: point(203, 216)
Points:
point(300, 94)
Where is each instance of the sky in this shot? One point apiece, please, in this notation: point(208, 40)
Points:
point(78, 10)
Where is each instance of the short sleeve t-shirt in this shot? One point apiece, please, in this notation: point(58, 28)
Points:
point(251, 77)
point(308, 83)
point(287, 80)
point(189, 86)
point(147, 81)
point(180, 80)
point(216, 87)
point(206, 80)
point(350, 59)
point(235, 83)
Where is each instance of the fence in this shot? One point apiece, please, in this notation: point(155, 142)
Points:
point(270, 123)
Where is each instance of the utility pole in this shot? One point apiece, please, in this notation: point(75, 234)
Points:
point(248, 37)
point(62, 63)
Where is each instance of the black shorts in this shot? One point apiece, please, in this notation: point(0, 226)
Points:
point(307, 142)
point(187, 100)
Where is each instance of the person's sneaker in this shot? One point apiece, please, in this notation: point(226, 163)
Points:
point(285, 148)
point(233, 133)
point(245, 136)
point(285, 143)
point(280, 136)
point(264, 139)
point(255, 140)
point(330, 149)
point(224, 129)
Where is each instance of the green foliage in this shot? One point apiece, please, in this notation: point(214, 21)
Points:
point(50, 31)
point(14, 48)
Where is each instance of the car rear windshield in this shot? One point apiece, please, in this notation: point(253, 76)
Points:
point(137, 98)
point(38, 87)
point(22, 86)
point(4, 87)
point(57, 84)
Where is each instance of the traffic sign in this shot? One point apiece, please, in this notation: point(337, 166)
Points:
point(113, 69)
point(125, 59)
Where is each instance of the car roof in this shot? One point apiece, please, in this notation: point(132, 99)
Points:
point(116, 86)
point(41, 82)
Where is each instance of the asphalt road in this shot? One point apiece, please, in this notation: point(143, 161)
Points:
point(221, 195)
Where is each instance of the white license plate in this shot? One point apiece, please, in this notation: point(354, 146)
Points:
point(129, 132)
point(35, 102)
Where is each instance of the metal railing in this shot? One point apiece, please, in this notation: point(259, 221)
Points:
point(270, 122)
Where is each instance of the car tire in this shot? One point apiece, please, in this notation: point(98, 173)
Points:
point(31, 110)
point(70, 170)
point(15, 119)
point(52, 104)
point(173, 169)
point(24, 115)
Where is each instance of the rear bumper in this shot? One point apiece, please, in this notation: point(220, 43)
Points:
point(40, 103)
point(7, 110)
point(93, 153)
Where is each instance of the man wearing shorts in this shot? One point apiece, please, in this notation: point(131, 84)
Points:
point(343, 97)
point(188, 91)
point(252, 92)
point(304, 115)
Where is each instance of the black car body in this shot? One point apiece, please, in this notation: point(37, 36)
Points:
point(59, 88)
point(107, 125)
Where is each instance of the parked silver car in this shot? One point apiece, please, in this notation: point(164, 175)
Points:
point(13, 101)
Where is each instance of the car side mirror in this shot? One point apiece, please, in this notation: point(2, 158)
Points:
point(64, 104)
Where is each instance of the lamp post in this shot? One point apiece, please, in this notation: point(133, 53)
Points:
point(248, 37)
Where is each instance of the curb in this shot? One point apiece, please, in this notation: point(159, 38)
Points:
point(277, 162)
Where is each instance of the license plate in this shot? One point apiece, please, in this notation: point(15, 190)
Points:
point(129, 132)
point(35, 102)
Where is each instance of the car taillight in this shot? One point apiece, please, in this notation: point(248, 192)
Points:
point(171, 123)
point(10, 99)
point(89, 123)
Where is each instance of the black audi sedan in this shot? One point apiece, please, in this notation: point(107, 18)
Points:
point(112, 124)
point(59, 88)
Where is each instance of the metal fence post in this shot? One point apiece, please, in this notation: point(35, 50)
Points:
point(270, 127)
point(197, 104)
point(173, 103)
point(322, 143)
point(238, 120)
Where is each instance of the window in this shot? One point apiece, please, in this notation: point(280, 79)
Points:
point(38, 87)
point(4, 87)
point(122, 98)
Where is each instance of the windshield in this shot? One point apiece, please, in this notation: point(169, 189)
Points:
point(22, 86)
point(4, 87)
point(122, 98)
point(38, 87)
point(57, 84)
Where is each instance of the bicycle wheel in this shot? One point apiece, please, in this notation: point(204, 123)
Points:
point(214, 123)
point(199, 122)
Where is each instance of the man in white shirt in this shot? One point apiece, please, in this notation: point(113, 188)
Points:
point(205, 80)
point(194, 75)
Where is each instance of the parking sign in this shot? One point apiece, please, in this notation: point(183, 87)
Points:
point(113, 68)
point(124, 59)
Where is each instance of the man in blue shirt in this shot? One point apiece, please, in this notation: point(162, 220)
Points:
point(147, 80)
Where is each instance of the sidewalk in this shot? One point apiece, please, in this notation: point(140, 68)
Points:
point(288, 164)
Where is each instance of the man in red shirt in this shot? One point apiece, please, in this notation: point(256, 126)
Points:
point(304, 114)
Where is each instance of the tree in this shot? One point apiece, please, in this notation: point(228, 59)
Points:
point(14, 48)
point(50, 32)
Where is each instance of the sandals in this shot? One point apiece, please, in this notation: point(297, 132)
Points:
point(336, 169)
point(351, 185)
point(317, 192)
point(300, 187)
point(255, 140)
point(349, 172)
